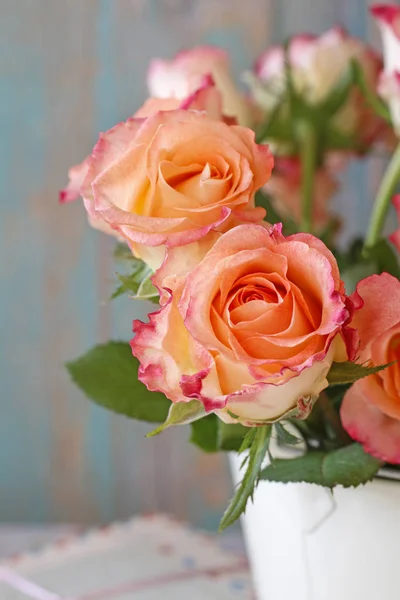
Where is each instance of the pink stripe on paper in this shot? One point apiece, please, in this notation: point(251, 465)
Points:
point(36, 592)
point(154, 582)
point(31, 589)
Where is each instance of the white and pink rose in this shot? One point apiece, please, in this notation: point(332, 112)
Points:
point(318, 63)
point(180, 77)
point(388, 17)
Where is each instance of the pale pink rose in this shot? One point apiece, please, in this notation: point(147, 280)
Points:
point(395, 237)
point(388, 17)
point(170, 179)
point(250, 329)
point(318, 64)
point(180, 77)
point(284, 188)
point(370, 411)
point(206, 98)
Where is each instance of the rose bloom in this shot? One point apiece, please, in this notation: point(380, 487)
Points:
point(395, 237)
point(180, 77)
point(251, 330)
point(388, 17)
point(206, 99)
point(370, 411)
point(170, 179)
point(318, 64)
point(284, 188)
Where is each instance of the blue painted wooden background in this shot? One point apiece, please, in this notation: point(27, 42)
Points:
point(68, 70)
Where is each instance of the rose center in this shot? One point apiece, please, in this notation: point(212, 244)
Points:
point(252, 293)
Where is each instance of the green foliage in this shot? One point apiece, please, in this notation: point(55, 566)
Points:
point(384, 258)
point(349, 466)
point(355, 273)
point(289, 226)
point(359, 263)
point(285, 438)
point(137, 281)
point(204, 433)
point(122, 253)
point(108, 375)
point(349, 372)
point(213, 435)
point(372, 98)
point(257, 452)
point(331, 105)
point(181, 413)
point(231, 436)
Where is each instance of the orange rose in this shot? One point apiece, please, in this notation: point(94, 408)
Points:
point(371, 408)
point(170, 179)
point(252, 330)
point(206, 99)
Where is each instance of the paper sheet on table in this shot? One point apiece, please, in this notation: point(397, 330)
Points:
point(149, 558)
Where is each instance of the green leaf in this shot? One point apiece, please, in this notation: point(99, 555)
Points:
point(123, 253)
point(337, 140)
point(372, 98)
point(349, 372)
point(231, 436)
point(257, 453)
point(273, 215)
point(385, 258)
point(349, 466)
point(132, 280)
point(247, 440)
point(137, 283)
point(147, 290)
point(285, 437)
point(108, 375)
point(339, 95)
point(329, 233)
point(267, 129)
point(181, 413)
point(205, 433)
point(353, 274)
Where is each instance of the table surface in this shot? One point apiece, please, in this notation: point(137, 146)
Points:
point(15, 539)
point(171, 575)
point(25, 538)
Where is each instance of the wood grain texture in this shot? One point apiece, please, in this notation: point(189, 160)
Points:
point(68, 70)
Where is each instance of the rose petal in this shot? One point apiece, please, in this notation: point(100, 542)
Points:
point(395, 237)
point(368, 425)
point(377, 314)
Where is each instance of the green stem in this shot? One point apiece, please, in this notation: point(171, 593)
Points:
point(308, 154)
point(332, 417)
point(386, 191)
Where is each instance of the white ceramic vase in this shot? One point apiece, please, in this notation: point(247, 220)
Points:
point(305, 543)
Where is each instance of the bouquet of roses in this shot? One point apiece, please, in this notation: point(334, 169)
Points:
point(265, 333)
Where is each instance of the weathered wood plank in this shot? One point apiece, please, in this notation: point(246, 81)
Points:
point(68, 70)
